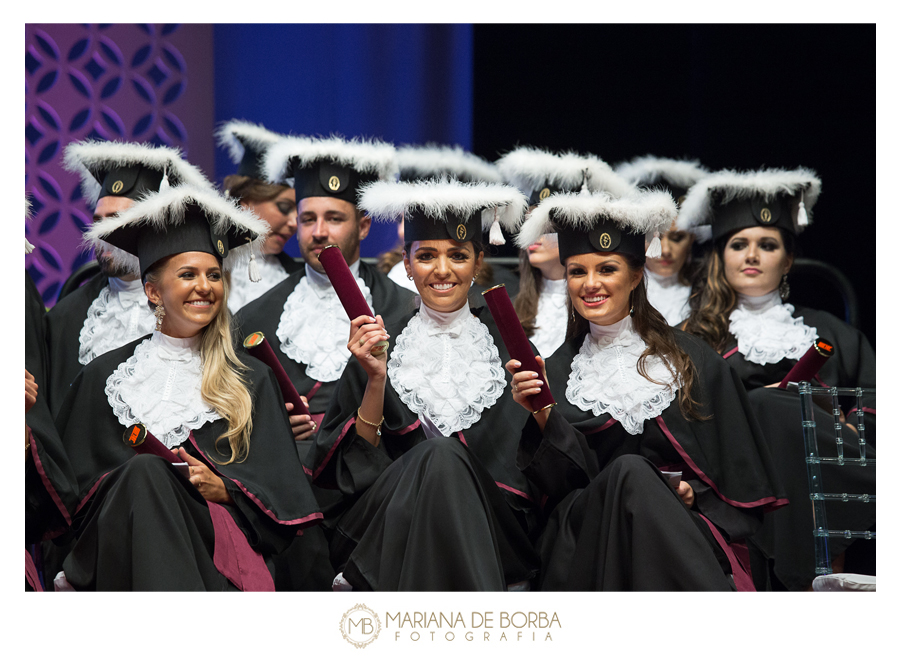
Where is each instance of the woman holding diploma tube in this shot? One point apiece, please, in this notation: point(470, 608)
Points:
point(420, 439)
point(740, 308)
point(653, 469)
point(217, 522)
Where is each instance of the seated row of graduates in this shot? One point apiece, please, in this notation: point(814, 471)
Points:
point(429, 470)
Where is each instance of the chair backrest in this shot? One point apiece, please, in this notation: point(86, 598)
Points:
point(814, 460)
point(822, 286)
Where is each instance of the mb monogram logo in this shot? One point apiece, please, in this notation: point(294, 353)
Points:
point(360, 626)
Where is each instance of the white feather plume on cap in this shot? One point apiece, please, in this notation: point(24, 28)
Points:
point(232, 135)
point(638, 213)
point(729, 185)
point(168, 207)
point(436, 161)
point(650, 170)
point(388, 201)
point(364, 155)
point(28, 246)
point(89, 156)
point(529, 168)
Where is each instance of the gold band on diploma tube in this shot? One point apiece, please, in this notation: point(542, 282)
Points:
point(135, 435)
point(499, 285)
point(254, 339)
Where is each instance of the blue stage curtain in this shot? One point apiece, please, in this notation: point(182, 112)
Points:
point(401, 83)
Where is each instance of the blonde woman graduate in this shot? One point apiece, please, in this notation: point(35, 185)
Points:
point(241, 496)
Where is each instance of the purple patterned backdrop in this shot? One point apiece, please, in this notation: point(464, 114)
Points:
point(143, 83)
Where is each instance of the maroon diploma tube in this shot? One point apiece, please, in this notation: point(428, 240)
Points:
point(144, 443)
point(515, 340)
point(259, 348)
point(810, 363)
point(347, 290)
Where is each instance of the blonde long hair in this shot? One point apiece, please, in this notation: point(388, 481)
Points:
point(222, 386)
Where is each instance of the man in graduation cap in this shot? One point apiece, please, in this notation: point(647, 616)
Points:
point(111, 309)
point(302, 317)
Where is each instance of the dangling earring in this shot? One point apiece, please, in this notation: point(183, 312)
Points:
point(160, 313)
point(409, 276)
point(784, 289)
point(631, 299)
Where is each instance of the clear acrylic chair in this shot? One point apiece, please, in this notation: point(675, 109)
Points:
point(826, 580)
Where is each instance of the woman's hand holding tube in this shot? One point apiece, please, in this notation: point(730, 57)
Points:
point(204, 480)
point(526, 383)
point(686, 493)
point(365, 332)
point(302, 425)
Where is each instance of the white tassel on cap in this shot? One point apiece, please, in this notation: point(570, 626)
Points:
point(655, 248)
point(164, 183)
point(252, 267)
point(802, 217)
point(496, 234)
point(28, 246)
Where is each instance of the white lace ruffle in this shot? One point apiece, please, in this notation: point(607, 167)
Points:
point(114, 318)
point(551, 319)
point(605, 379)
point(159, 386)
point(447, 374)
point(768, 332)
point(668, 296)
point(314, 328)
point(243, 290)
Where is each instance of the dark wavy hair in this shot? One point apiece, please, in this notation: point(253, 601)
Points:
point(252, 190)
point(526, 301)
point(712, 297)
point(659, 337)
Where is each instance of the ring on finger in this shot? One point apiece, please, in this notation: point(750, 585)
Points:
point(314, 426)
point(362, 341)
point(515, 388)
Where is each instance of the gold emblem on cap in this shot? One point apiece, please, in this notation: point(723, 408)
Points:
point(544, 193)
point(461, 232)
point(334, 183)
point(765, 215)
point(605, 241)
point(117, 187)
point(221, 247)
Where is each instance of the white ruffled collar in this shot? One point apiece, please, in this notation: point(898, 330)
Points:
point(605, 379)
point(159, 386)
point(243, 290)
point(551, 319)
point(314, 327)
point(668, 296)
point(766, 330)
point(117, 316)
point(446, 369)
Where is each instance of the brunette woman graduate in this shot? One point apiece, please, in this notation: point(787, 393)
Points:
point(242, 497)
point(668, 274)
point(541, 301)
point(740, 309)
point(420, 439)
point(636, 400)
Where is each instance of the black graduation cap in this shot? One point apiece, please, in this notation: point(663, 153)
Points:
point(128, 169)
point(598, 222)
point(727, 201)
point(330, 167)
point(540, 174)
point(246, 143)
point(444, 209)
point(179, 220)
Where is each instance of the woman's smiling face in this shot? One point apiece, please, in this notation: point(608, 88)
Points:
point(191, 289)
point(443, 271)
point(600, 286)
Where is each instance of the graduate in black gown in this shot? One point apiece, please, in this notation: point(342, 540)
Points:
point(110, 309)
point(242, 496)
point(274, 203)
point(636, 400)
point(420, 438)
point(49, 481)
point(301, 317)
point(741, 310)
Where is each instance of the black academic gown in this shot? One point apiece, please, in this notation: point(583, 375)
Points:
point(614, 523)
point(62, 329)
point(168, 541)
point(449, 513)
point(786, 538)
point(50, 491)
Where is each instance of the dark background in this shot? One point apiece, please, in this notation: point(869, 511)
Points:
point(731, 96)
